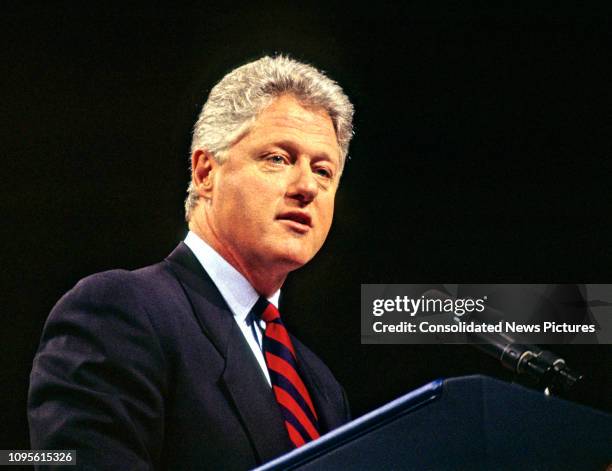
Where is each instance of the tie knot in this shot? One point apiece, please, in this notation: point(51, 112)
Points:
point(266, 311)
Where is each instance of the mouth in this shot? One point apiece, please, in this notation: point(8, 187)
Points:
point(297, 220)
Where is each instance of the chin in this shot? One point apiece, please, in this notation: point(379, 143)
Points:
point(293, 262)
point(294, 259)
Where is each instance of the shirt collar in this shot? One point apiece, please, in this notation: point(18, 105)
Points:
point(234, 287)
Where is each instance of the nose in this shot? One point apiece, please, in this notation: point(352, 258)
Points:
point(303, 185)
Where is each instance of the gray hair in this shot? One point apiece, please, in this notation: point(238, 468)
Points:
point(236, 101)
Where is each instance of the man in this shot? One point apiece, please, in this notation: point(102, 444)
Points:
point(186, 364)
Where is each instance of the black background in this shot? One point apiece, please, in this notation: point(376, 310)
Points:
point(481, 154)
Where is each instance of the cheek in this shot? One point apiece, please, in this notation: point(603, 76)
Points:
point(228, 204)
point(326, 216)
point(250, 200)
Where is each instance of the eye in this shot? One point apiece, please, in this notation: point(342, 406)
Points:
point(276, 159)
point(323, 172)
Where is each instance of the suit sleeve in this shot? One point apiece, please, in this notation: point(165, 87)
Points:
point(98, 382)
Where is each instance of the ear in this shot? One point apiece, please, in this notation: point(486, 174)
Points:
point(203, 165)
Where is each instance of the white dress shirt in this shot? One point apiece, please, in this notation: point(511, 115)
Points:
point(237, 292)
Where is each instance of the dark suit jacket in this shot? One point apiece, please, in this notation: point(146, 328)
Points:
point(148, 370)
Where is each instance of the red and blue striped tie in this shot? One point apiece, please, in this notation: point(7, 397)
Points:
point(290, 391)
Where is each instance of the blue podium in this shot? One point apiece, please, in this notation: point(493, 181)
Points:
point(467, 423)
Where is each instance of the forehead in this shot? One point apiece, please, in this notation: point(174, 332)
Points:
point(287, 119)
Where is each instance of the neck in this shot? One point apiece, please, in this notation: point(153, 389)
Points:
point(265, 280)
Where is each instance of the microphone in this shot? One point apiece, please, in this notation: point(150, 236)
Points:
point(548, 369)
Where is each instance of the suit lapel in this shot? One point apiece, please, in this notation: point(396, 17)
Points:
point(242, 378)
point(316, 390)
point(254, 399)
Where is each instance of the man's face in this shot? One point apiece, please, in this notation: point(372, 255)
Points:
point(272, 200)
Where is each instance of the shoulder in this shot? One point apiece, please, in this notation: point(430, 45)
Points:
point(103, 323)
point(119, 281)
point(119, 300)
point(131, 289)
point(101, 300)
point(115, 285)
